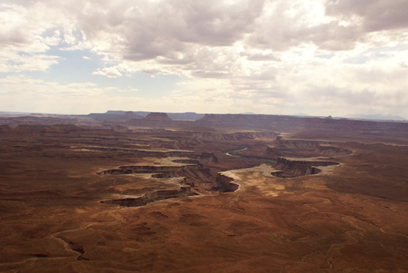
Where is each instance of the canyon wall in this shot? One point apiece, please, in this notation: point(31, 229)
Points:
point(223, 184)
point(294, 167)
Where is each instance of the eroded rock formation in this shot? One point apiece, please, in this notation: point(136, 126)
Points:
point(224, 184)
point(193, 172)
point(298, 167)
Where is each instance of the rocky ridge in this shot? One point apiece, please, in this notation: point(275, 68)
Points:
point(299, 167)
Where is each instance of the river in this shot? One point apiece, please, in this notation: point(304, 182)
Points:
point(235, 152)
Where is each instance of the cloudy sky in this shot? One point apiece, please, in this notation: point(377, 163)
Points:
point(320, 57)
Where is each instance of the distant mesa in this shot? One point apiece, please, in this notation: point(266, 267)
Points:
point(129, 114)
point(210, 117)
point(158, 117)
point(115, 116)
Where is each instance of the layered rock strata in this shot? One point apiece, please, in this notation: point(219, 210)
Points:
point(223, 184)
point(298, 167)
point(305, 148)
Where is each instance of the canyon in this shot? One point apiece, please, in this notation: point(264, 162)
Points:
point(156, 192)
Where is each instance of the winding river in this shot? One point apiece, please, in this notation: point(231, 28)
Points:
point(235, 152)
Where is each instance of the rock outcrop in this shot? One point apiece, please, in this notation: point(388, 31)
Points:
point(223, 184)
point(193, 172)
point(298, 167)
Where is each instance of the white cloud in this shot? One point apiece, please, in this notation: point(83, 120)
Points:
point(110, 72)
point(27, 33)
point(22, 93)
point(267, 55)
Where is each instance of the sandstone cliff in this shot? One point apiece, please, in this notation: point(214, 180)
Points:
point(305, 148)
point(223, 184)
point(299, 167)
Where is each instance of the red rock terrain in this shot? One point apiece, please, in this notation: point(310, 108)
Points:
point(76, 199)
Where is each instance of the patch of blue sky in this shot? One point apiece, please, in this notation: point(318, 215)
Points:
point(376, 53)
point(148, 87)
point(72, 67)
point(77, 66)
point(400, 47)
point(325, 56)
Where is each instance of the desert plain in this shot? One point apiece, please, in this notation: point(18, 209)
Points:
point(223, 193)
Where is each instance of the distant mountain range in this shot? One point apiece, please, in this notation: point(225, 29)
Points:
point(13, 113)
point(141, 114)
point(376, 117)
point(195, 116)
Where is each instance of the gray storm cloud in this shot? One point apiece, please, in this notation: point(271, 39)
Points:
point(376, 15)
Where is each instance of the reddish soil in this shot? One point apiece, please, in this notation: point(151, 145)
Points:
point(57, 184)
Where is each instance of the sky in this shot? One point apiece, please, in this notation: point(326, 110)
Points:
point(285, 57)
